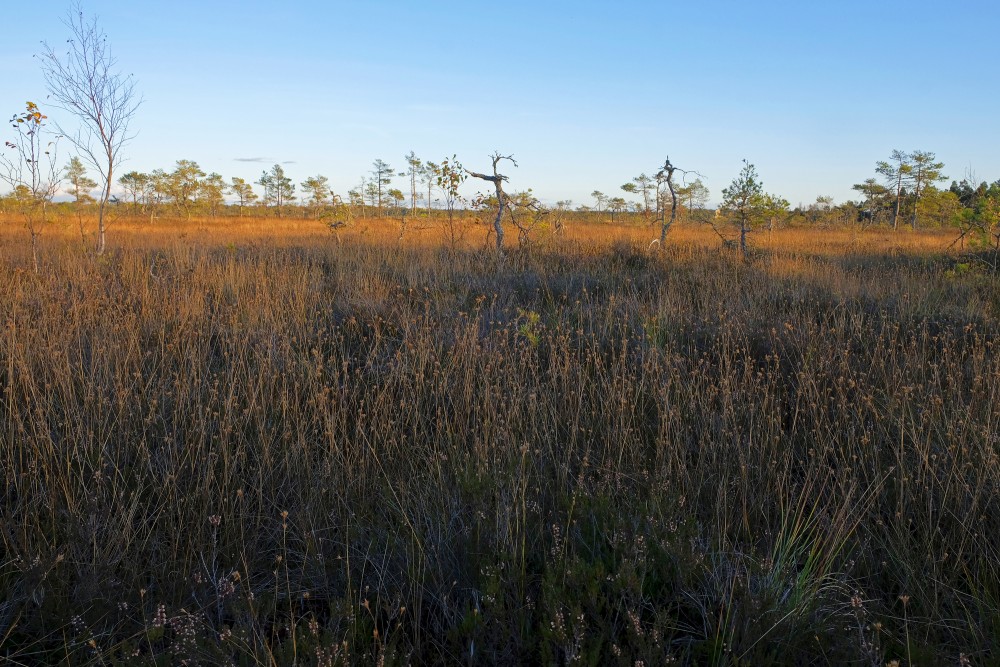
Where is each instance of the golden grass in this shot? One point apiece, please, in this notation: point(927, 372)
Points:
point(244, 442)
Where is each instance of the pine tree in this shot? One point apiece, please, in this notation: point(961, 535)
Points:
point(80, 184)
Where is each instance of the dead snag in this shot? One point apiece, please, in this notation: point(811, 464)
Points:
point(497, 179)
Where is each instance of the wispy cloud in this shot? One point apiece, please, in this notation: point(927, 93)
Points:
point(252, 159)
point(288, 162)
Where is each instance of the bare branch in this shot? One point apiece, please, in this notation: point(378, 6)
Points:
point(502, 200)
point(84, 82)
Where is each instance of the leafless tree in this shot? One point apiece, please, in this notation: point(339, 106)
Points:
point(666, 176)
point(85, 82)
point(497, 179)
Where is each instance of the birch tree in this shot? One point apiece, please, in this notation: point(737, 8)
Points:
point(85, 82)
point(450, 176)
point(28, 166)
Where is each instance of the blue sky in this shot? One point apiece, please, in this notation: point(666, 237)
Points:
point(585, 95)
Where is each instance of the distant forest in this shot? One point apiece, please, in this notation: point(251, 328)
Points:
point(908, 190)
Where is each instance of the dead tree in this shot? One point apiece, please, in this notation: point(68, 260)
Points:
point(666, 175)
point(497, 179)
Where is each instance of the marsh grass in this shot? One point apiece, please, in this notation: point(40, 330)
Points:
point(253, 444)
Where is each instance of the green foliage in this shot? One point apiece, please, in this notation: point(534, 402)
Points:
point(616, 205)
point(183, 184)
point(529, 329)
point(600, 200)
point(136, 185)
point(211, 192)
point(415, 170)
point(449, 176)
point(693, 196)
point(316, 191)
point(81, 186)
point(744, 194)
point(278, 188)
point(381, 178)
point(27, 164)
point(746, 203)
point(907, 177)
point(979, 224)
point(245, 195)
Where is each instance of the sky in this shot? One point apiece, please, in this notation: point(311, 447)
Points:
point(585, 95)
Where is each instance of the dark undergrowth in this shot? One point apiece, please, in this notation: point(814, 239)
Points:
point(589, 454)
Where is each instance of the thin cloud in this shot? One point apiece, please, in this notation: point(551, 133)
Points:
point(252, 159)
point(288, 162)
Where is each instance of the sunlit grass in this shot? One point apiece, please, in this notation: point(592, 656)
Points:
point(251, 442)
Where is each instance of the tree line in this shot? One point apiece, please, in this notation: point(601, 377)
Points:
point(84, 83)
point(904, 191)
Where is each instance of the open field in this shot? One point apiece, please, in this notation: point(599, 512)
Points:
point(250, 443)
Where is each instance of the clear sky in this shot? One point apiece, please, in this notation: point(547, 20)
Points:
point(586, 95)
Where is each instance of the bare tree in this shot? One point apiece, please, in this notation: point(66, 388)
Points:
point(497, 179)
point(666, 176)
point(85, 82)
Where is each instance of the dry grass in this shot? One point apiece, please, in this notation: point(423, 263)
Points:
point(247, 443)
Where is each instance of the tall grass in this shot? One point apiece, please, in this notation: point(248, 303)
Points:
point(257, 445)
